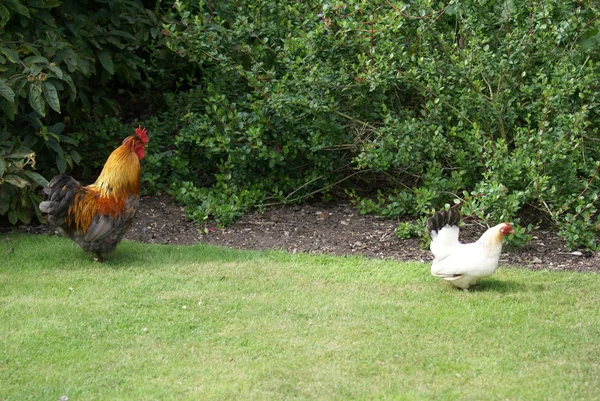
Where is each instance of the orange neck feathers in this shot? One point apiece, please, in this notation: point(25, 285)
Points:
point(120, 176)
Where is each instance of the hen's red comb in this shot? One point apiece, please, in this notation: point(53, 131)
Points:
point(142, 133)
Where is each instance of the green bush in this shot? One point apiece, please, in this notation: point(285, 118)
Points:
point(62, 63)
point(17, 180)
point(253, 131)
point(491, 106)
point(505, 109)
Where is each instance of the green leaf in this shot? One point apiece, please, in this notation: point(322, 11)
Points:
point(152, 16)
point(35, 60)
point(17, 83)
point(115, 42)
point(23, 215)
point(589, 39)
point(75, 156)
point(35, 98)
point(66, 139)
point(106, 61)
point(47, 3)
point(10, 54)
point(16, 180)
point(17, 7)
point(51, 96)
point(35, 177)
point(9, 108)
point(18, 155)
point(57, 129)
point(6, 92)
point(35, 205)
point(57, 84)
point(95, 43)
point(61, 164)
point(24, 150)
point(34, 70)
point(27, 48)
point(45, 16)
point(69, 57)
point(56, 70)
point(5, 197)
point(122, 34)
point(72, 88)
point(2, 166)
point(4, 15)
point(55, 146)
point(12, 216)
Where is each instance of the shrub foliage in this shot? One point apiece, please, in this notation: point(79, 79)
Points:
point(492, 106)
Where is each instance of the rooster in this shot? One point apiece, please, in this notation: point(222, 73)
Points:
point(463, 264)
point(96, 216)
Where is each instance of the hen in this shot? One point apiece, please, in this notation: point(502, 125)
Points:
point(96, 216)
point(463, 264)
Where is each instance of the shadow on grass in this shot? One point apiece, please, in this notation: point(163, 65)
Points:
point(504, 286)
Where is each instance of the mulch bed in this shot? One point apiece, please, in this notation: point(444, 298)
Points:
point(332, 228)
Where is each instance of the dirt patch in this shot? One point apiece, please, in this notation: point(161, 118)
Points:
point(336, 229)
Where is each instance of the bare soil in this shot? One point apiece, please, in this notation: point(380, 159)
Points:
point(337, 229)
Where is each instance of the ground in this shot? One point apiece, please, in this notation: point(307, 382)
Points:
point(335, 228)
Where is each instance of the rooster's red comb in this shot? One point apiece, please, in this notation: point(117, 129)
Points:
point(142, 133)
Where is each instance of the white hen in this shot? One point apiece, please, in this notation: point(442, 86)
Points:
point(463, 264)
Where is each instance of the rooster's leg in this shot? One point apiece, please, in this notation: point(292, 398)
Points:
point(99, 258)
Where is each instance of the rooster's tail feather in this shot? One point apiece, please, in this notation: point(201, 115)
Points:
point(60, 194)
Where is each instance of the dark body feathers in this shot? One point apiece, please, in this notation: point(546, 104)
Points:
point(104, 232)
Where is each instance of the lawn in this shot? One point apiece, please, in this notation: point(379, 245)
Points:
point(196, 322)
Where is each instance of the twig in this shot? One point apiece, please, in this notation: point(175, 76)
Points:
point(261, 41)
point(547, 208)
point(302, 186)
point(584, 209)
point(415, 17)
point(489, 86)
point(582, 32)
point(507, 25)
point(339, 113)
point(315, 191)
point(564, 208)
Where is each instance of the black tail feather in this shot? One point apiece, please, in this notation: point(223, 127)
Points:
point(442, 219)
point(60, 193)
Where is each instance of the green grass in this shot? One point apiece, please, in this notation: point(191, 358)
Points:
point(268, 325)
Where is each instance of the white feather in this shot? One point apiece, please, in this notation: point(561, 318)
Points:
point(444, 241)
